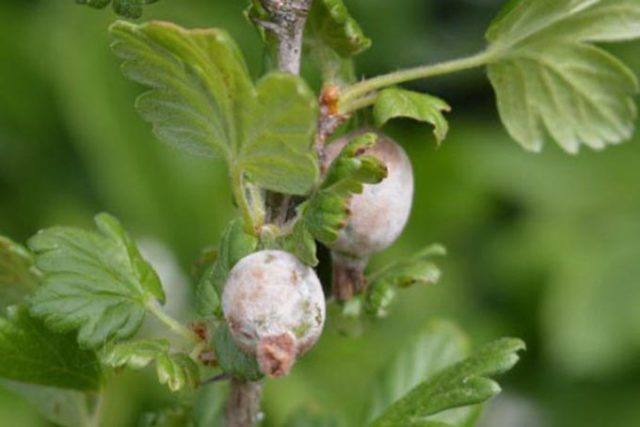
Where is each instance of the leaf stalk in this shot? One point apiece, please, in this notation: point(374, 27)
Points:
point(363, 94)
point(170, 322)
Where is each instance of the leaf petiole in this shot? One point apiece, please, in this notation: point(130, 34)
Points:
point(362, 94)
point(251, 223)
point(172, 323)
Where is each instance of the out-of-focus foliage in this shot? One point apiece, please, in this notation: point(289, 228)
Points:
point(540, 246)
point(18, 276)
point(31, 353)
point(539, 43)
point(126, 8)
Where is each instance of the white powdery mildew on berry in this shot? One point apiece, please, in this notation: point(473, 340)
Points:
point(380, 213)
point(271, 294)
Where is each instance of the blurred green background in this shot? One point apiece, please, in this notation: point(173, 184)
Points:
point(545, 247)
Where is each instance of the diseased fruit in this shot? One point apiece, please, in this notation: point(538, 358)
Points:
point(378, 215)
point(275, 308)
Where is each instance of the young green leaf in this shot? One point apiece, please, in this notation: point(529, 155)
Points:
point(394, 102)
point(417, 269)
point(202, 100)
point(127, 8)
point(549, 76)
point(255, 13)
point(438, 346)
point(232, 359)
point(31, 353)
point(135, 354)
point(95, 282)
point(176, 370)
point(333, 37)
point(235, 245)
point(18, 276)
point(301, 242)
point(331, 24)
point(327, 212)
point(465, 383)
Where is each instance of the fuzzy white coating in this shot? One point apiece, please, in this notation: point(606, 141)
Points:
point(380, 213)
point(271, 293)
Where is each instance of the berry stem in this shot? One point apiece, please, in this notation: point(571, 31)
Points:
point(348, 276)
point(362, 94)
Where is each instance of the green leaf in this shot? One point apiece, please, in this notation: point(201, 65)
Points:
point(232, 359)
point(331, 24)
point(235, 245)
point(31, 353)
point(127, 8)
point(327, 212)
point(440, 345)
point(95, 282)
point(301, 242)
point(416, 269)
point(465, 383)
point(202, 100)
point(135, 354)
point(394, 102)
point(255, 13)
point(63, 407)
point(278, 132)
point(549, 76)
point(18, 277)
point(177, 370)
point(333, 38)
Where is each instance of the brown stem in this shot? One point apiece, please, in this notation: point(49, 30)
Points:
point(288, 18)
point(348, 276)
point(243, 404)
